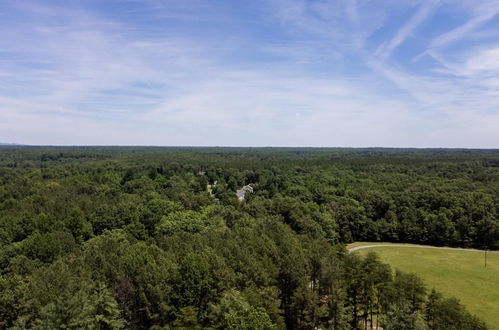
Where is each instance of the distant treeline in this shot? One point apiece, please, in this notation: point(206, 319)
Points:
point(113, 237)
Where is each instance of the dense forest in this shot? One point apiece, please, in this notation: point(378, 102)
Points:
point(156, 238)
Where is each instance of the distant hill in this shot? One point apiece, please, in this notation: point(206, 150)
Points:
point(9, 144)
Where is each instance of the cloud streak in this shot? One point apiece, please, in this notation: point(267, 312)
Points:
point(290, 73)
point(482, 13)
point(424, 11)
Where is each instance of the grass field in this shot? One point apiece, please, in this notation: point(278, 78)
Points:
point(455, 273)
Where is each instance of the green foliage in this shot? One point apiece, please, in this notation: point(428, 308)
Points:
point(234, 312)
point(449, 314)
point(186, 221)
point(78, 226)
point(97, 310)
point(155, 238)
point(453, 272)
point(401, 317)
point(187, 319)
point(195, 281)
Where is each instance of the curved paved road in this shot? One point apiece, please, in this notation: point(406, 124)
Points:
point(416, 246)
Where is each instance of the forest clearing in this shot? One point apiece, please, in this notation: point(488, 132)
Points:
point(455, 272)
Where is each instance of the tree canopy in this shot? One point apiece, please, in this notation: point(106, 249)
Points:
point(156, 238)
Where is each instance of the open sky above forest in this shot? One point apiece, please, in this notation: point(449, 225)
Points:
point(401, 73)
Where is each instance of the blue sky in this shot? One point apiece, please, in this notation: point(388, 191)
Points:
point(397, 73)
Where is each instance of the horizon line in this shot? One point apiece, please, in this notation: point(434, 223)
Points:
point(234, 146)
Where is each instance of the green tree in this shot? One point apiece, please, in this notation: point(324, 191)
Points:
point(234, 312)
point(83, 310)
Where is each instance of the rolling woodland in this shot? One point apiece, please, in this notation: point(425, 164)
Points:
point(156, 238)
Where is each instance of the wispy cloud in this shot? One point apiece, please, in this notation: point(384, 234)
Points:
point(424, 11)
point(287, 72)
point(482, 12)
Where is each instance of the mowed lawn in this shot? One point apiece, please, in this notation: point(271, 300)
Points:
point(455, 273)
